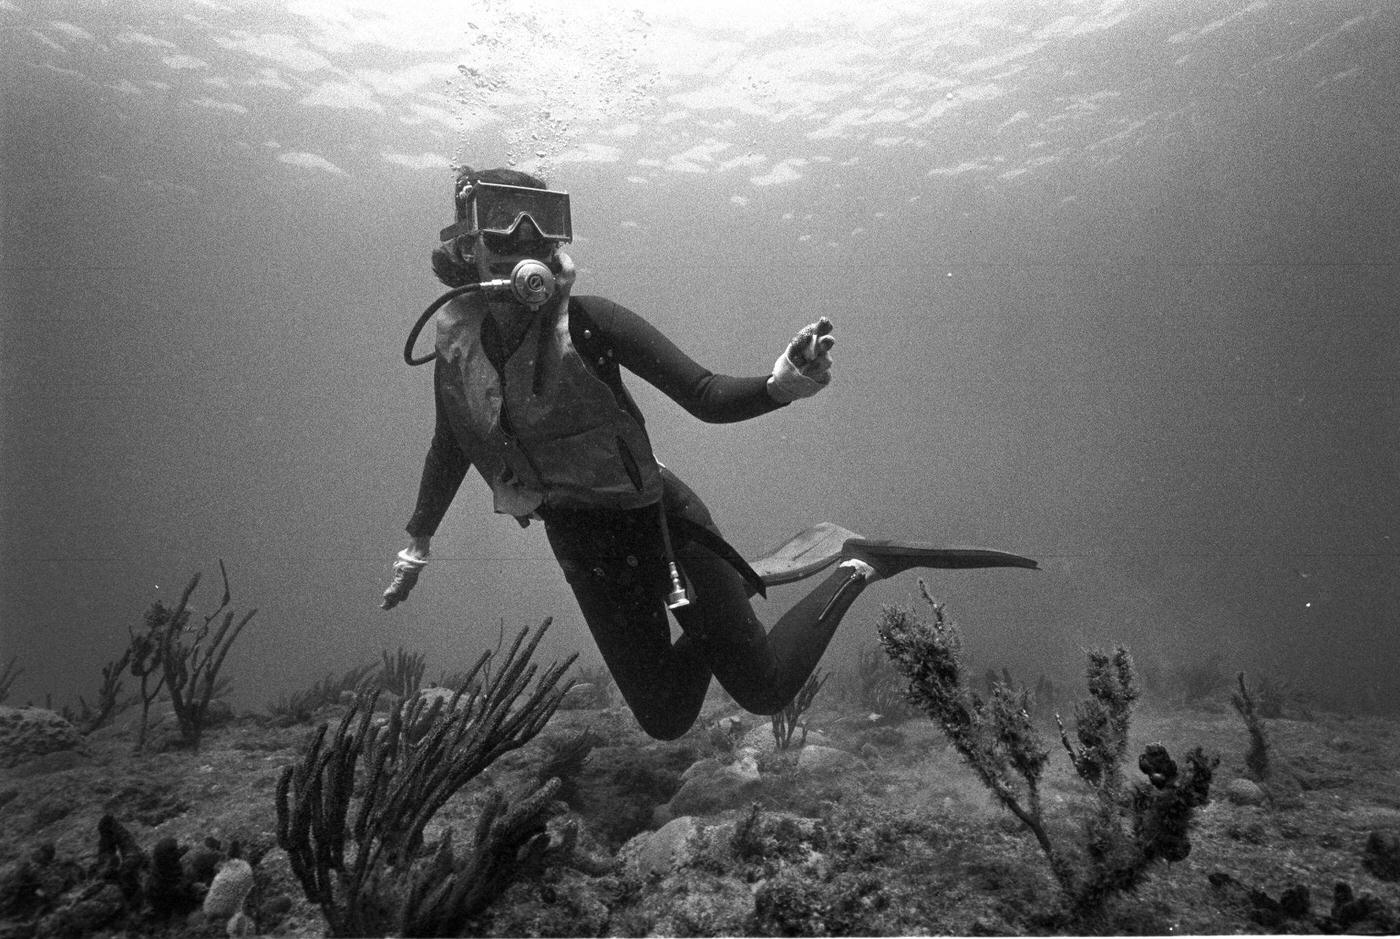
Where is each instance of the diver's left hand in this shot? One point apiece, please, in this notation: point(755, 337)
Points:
point(804, 368)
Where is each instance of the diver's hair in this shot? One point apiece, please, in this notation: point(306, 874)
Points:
point(451, 266)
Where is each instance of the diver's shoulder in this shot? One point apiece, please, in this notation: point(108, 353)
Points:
point(593, 304)
point(605, 314)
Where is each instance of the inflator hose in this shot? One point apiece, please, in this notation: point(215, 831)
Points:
point(433, 307)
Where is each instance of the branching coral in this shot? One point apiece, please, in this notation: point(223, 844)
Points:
point(109, 702)
point(402, 673)
point(879, 687)
point(189, 657)
point(412, 764)
point(144, 659)
point(995, 737)
point(301, 705)
point(1129, 828)
point(1256, 759)
point(786, 721)
point(8, 674)
point(564, 761)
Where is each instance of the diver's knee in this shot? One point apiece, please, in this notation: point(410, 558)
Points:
point(763, 703)
point(664, 728)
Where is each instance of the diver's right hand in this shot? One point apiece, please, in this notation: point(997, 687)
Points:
point(406, 570)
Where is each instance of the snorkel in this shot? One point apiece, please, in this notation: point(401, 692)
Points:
point(513, 233)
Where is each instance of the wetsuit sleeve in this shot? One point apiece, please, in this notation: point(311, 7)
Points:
point(645, 351)
point(444, 468)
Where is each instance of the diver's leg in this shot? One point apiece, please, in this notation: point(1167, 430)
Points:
point(763, 672)
point(615, 581)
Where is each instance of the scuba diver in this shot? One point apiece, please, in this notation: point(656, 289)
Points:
point(528, 389)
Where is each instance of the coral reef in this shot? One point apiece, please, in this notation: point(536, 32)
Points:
point(413, 763)
point(1128, 828)
point(906, 842)
point(125, 889)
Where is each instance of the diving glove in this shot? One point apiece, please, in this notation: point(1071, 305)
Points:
point(406, 571)
point(804, 368)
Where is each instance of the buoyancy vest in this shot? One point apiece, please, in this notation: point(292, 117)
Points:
point(544, 430)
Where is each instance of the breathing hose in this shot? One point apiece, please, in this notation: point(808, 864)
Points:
point(427, 314)
point(531, 283)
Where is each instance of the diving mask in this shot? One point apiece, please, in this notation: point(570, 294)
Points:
point(494, 209)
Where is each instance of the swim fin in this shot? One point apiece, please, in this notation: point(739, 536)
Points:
point(892, 557)
point(804, 554)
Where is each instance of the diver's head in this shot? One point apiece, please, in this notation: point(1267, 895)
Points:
point(503, 217)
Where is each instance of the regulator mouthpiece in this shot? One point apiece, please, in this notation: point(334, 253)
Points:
point(531, 283)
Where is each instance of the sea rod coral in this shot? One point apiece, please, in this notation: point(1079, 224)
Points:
point(187, 656)
point(411, 764)
point(1128, 827)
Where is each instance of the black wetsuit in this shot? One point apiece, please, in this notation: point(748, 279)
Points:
point(615, 561)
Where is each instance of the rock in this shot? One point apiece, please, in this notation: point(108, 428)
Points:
point(710, 786)
point(760, 737)
point(817, 758)
point(1245, 792)
point(86, 915)
point(28, 733)
point(56, 762)
point(230, 889)
point(274, 872)
point(659, 852)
